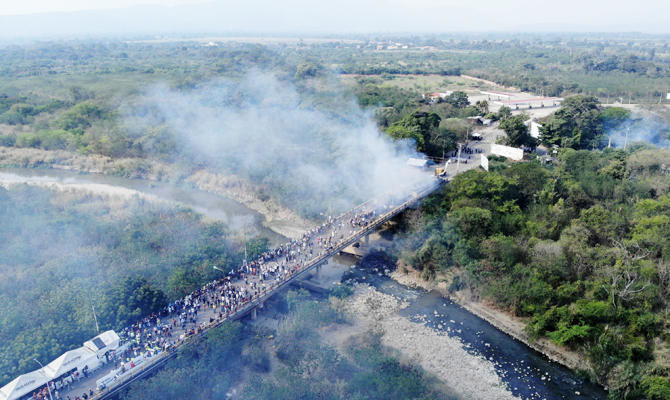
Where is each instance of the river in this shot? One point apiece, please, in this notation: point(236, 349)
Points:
point(238, 217)
point(526, 373)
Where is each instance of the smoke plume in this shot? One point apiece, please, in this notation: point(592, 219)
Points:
point(317, 151)
point(647, 129)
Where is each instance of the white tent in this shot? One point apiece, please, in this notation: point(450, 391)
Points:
point(23, 385)
point(77, 358)
point(104, 342)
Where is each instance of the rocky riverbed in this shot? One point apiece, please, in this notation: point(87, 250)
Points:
point(471, 376)
point(502, 320)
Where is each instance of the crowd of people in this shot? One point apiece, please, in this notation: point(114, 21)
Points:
point(467, 150)
point(63, 384)
point(220, 299)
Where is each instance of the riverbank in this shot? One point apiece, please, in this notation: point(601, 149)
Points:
point(278, 218)
point(471, 376)
point(501, 319)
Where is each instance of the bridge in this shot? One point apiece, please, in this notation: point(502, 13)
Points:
point(318, 261)
point(313, 251)
point(296, 278)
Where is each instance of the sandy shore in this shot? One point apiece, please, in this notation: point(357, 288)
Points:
point(504, 321)
point(470, 376)
point(276, 217)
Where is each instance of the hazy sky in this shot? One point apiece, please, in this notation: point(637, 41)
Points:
point(63, 17)
point(41, 6)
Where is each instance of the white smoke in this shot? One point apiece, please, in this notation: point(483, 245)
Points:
point(647, 129)
point(313, 158)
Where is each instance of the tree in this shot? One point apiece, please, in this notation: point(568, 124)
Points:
point(80, 117)
point(307, 70)
point(458, 99)
point(182, 282)
point(441, 141)
point(482, 107)
point(504, 113)
point(613, 117)
point(656, 387)
point(256, 247)
point(130, 300)
point(417, 126)
point(517, 131)
point(492, 189)
point(577, 124)
point(459, 127)
point(531, 179)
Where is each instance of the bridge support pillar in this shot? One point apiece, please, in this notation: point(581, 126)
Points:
point(254, 314)
point(366, 239)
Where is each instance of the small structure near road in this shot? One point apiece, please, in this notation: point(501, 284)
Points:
point(476, 136)
point(506, 151)
point(24, 385)
point(435, 97)
point(103, 343)
point(484, 161)
point(520, 100)
point(534, 128)
point(86, 358)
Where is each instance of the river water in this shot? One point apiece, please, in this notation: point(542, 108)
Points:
point(527, 373)
point(239, 218)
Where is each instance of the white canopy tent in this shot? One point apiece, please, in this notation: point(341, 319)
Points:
point(23, 385)
point(89, 355)
point(77, 358)
point(103, 343)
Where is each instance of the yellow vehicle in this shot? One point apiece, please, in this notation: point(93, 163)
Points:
point(440, 171)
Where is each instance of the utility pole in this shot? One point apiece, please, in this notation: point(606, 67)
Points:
point(48, 383)
point(97, 328)
point(95, 317)
point(458, 160)
point(245, 249)
point(625, 143)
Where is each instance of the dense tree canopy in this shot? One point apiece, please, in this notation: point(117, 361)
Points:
point(60, 254)
point(580, 249)
point(577, 124)
point(417, 126)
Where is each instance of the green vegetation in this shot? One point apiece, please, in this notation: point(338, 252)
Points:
point(418, 126)
point(577, 124)
point(303, 367)
point(517, 131)
point(580, 248)
point(60, 254)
